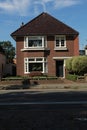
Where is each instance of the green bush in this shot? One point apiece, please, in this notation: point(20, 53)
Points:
point(69, 64)
point(71, 77)
point(77, 65)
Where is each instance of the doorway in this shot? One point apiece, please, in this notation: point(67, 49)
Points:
point(59, 68)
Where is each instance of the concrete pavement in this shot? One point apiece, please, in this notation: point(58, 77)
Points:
point(45, 87)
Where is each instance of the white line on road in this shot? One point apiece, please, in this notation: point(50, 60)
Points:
point(45, 103)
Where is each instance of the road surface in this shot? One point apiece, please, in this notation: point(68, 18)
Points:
point(43, 110)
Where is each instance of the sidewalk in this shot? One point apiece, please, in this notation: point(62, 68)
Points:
point(73, 86)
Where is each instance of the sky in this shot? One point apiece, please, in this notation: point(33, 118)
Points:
point(71, 12)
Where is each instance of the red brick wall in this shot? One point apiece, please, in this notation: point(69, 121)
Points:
point(51, 62)
point(2, 63)
point(76, 46)
point(72, 50)
point(20, 56)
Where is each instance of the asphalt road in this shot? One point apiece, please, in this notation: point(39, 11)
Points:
point(42, 96)
point(43, 110)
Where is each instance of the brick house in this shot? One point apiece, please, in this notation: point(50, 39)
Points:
point(44, 44)
point(2, 62)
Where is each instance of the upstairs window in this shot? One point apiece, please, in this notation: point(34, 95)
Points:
point(60, 41)
point(34, 42)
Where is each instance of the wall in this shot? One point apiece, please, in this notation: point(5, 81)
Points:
point(72, 50)
point(2, 63)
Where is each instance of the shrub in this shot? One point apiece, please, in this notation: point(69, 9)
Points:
point(69, 64)
point(71, 77)
point(77, 65)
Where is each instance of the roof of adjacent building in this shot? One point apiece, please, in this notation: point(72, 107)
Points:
point(44, 24)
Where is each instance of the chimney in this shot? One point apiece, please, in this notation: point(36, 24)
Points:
point(22, 24)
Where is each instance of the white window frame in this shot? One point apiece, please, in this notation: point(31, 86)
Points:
point(60, 47)
point(43, 38)
point(28, 60)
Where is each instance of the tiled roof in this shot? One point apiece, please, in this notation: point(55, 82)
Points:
point(44, 24)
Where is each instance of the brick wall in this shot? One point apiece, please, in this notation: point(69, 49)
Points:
point(2, 63)
point(72, 50)
point(76, 46)
point(20, 56)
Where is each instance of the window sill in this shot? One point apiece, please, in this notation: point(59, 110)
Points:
point(60, 48)
point(35, 49)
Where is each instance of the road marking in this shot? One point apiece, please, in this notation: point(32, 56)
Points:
point(45, 103)
point(81, 118)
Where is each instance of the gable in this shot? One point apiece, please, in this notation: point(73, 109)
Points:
point(44, 24)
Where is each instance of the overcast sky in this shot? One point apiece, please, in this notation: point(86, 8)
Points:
point(71, 12)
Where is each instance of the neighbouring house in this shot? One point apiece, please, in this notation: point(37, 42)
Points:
point(85, 50)
point(6, 69)
point(2, 62)
point(82, 52)
point(44, 44)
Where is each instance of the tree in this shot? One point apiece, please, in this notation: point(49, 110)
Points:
point(9, 50)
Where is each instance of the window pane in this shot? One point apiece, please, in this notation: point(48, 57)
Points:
point(62, 42)
point(35, 67)
point(31, 59)
point(38, 59)
point(57, 43)
point(34, 43)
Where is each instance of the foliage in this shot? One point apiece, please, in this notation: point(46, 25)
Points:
point(1, 50)
point(71, 77)
point(77, 65)
point(69, 64)
point(9, 50)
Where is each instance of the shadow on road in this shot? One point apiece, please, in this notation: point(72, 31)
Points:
point(27, 95)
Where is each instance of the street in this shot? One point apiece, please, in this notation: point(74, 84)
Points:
point(43, 110)
point(42, 96)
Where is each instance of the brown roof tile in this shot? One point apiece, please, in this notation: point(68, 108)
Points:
point(44, 24)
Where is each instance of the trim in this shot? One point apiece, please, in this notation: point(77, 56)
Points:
point(36, 49)
point(61, 58)
point(60, 48)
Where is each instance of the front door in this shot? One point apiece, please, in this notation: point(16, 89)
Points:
point(59, 68)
